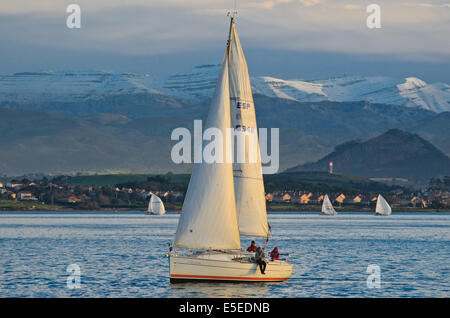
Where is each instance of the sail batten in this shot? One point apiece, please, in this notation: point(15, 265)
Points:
point(248, 181)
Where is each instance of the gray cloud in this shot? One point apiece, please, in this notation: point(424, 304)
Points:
point(411, 31)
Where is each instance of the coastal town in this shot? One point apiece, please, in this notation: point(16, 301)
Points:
point(59, 194)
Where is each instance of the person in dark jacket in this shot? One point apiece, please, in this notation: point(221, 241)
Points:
point(259, 257)
point(275, 254)
point(252, 247)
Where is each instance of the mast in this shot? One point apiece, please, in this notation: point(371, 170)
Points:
point(229, 38)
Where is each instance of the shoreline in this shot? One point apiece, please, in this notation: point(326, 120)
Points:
point(307, 209)
point(24, 206)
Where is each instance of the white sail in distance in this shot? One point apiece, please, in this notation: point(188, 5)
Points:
point(209, 220)
point(327, 207)
point(383, 207)
point(156, 206)
point(248, 180)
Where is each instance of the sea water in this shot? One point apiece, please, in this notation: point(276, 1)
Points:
point(123, 255)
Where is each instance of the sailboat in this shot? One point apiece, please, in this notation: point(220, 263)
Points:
point(224, 199)
point(327, 207)
point(155, 206)
point(383, 207)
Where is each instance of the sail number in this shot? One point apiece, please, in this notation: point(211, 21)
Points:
point(242, 105)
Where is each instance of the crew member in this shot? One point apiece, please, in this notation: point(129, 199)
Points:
point(252, 247)
point(275, 254)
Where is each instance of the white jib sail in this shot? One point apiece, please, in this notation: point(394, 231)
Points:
point(208, 220)
point(248, 180)
point(383, 207)
point(156, 206)
point(327, 207)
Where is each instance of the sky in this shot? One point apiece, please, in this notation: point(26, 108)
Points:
point(306, 39)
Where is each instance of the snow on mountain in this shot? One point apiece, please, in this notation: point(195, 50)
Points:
point(411, 92)
point(49, 86)
point(199, 82)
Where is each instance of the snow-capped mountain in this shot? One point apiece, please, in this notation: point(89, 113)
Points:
point(70, 86)
point(199, 82)
point(412, 92)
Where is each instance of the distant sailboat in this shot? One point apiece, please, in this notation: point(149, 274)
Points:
point(155, 206)
point(225, 200)
point(383, 207)
point(327, 207)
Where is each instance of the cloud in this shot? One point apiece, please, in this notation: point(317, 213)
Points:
point(309, 3)
point(267, 5)
point(351, 7)
point(426, 4)
point(142, 27)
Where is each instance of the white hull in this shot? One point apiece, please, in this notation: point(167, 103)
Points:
point(221, 266)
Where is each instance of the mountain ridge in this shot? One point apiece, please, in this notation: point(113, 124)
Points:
point(49, 87)
point(123, 121)
point(393, 154)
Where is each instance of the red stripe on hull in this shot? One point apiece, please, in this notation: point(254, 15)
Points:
point(265, 279)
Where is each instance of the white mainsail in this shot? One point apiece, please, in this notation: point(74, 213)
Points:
point(248, 181)
point(383, 207)
point(209, 219)
point(156, 206)
point(327, 207)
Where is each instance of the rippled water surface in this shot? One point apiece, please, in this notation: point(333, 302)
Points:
point(123, 255)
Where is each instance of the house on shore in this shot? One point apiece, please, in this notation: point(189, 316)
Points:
point(340, 199)
point(26, 196)
point(71, 199)
point(14, 185)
